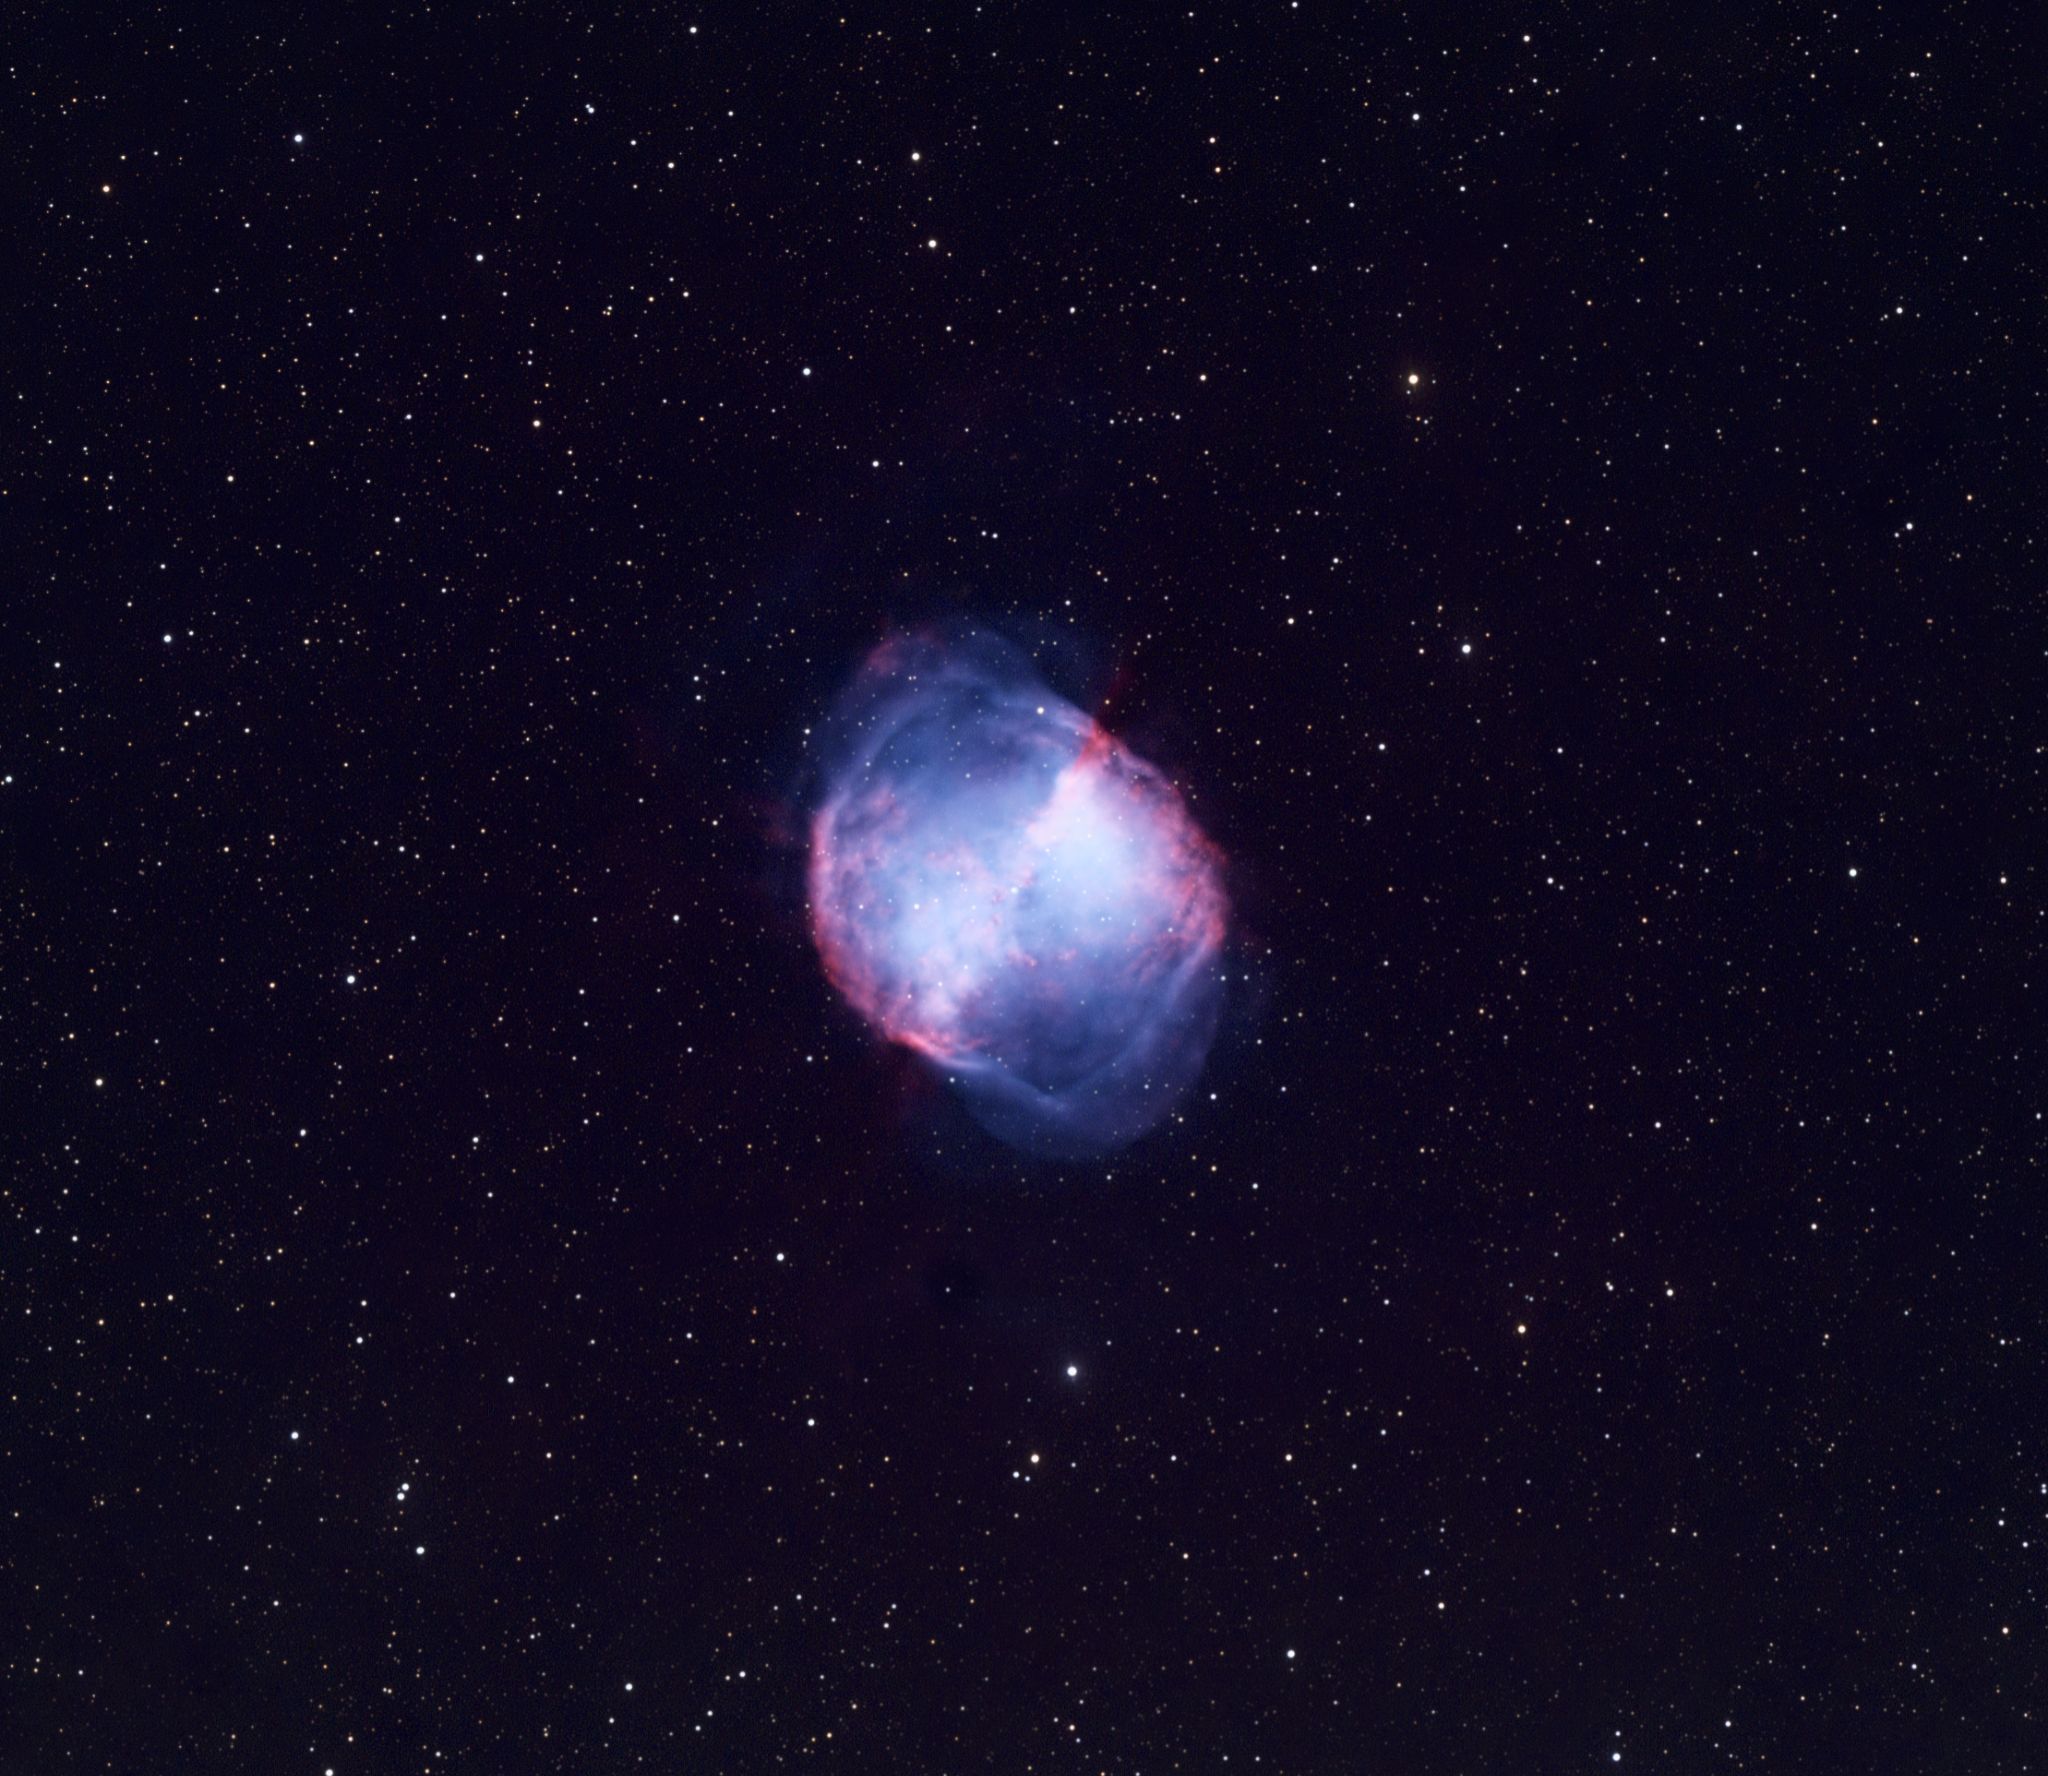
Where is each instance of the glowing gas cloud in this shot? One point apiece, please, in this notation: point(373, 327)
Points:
point(1000, 885)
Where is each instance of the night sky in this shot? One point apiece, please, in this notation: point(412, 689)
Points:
point(1558, 493)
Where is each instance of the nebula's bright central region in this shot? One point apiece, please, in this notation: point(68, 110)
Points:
point(1000, 885)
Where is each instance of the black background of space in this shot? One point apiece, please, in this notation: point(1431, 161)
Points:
point(1591, 1307)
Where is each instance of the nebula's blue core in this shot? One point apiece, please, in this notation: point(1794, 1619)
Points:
point(998, 884)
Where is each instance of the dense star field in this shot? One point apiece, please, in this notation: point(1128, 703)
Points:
point(1436, 1169)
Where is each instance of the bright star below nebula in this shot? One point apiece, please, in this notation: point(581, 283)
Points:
point(999, 884)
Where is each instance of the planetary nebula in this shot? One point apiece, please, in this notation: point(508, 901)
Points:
point(998, 884)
